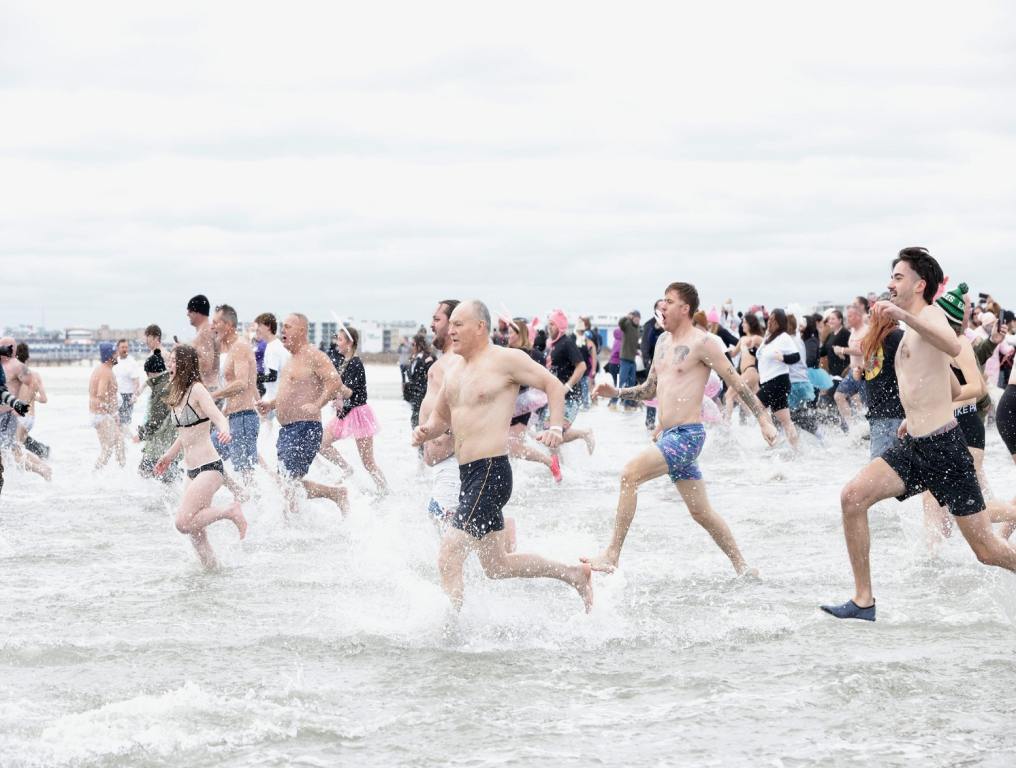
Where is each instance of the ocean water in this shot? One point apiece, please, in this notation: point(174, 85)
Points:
point(325, 641)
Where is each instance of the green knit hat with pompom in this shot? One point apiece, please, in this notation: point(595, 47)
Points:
point(952, 303)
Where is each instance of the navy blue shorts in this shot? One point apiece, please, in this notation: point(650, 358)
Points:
point(297, 446)
point(242, 449)
point(486, 488)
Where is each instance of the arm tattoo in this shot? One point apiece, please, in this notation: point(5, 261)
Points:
point(645, 391)
point(749, 399)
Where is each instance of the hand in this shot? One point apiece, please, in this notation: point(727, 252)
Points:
point(902, 431)
point(551, 438)
point(656, 433)
point(769, 432)
point(265, 406)
point(224, 438)
point(605, 389)
point(778, 355)
point(420, 435)
point(311, 409)
point(890, 309)
point(162, 465)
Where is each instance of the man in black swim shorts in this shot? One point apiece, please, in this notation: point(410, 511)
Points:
point(476, 401)
point(934, 454)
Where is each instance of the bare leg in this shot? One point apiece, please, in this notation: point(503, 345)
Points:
point(336, 493)
point(365, 446)
point(783, 416)
point(105, 431)
point(498, 563)
point(647, 465)
point(843, 407)
point(121, 451)
point(873, 483)
point(694, 494)
point(239, 494)
point(937, 522)
point(195, 514)
point(32, 463)
point(990, 548)
point(571, 433)
point(519, 447)
point(331, 453)
point(455, 548)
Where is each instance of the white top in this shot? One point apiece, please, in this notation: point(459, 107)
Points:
point(276, 357)
point(128, 375)
point(799, 370)
point(770, 366)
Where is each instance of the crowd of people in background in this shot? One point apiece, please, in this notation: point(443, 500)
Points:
point(798, 373)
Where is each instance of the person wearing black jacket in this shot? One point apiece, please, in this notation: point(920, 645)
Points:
point(8, 399)
point(415, 388)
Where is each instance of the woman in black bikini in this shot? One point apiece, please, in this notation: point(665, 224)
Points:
point(192, 413)
point(751, 339)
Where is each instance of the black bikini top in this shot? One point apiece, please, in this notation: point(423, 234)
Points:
point(188, 417)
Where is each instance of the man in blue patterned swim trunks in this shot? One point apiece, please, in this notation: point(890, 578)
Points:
point(677, 379)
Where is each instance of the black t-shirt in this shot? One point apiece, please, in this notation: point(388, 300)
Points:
point(564, 359)
point(355, 377)
point(883, 390)
point(837, 364)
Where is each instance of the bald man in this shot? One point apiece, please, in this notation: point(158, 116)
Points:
point(308, 382)
point(476, 401)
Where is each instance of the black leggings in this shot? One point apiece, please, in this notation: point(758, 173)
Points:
point(1005, 418)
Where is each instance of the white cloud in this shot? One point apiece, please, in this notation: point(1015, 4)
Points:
point(373, 159)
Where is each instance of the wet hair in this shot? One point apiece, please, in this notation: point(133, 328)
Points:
point(810, 330)
point(926, 267)
point(754, 325)
point(448, 305)
point(268, 320)
point(780, 318)
point(21, 352)
point(228, 314)
point(154, 330)
point(688, 295)
point(187, 372)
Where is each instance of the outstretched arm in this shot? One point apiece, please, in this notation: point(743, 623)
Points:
point(714, 357)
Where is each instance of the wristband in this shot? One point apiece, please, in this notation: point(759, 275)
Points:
point(556, 429)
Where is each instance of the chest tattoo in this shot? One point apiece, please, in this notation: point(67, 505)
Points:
point(680, 353)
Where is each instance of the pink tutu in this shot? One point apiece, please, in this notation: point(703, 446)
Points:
point(358, 424)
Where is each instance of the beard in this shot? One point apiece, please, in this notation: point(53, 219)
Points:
point(440, 342)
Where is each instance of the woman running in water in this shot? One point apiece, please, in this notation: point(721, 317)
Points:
point(193, 412)
point(528, 401)
point(777, 353)
point(747, 347)
point(353, 416)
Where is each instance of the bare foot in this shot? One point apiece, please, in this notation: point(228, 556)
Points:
point(342, 499)
point(590, 439)
point(584, 584)
point(509, 531)
point(603, 563)
point(747, 573)
point(236, 515)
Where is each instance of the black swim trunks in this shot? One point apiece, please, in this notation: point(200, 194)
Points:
point(940, 463)
point(486, 487)
point(971, 425)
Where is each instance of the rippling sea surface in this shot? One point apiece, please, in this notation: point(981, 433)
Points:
point(328, 642)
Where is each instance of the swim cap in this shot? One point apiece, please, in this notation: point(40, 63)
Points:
point(200, 305)
point(155, 363)
point(106, 351)
point(952, 303)
point(559, 318)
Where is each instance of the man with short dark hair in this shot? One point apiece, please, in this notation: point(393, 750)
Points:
point(240, 392)
point(198, 310)
point(933, 456)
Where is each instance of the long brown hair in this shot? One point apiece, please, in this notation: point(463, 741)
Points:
point(186, 373)
point(780, 318)
point(521, 327)
point(880, 326)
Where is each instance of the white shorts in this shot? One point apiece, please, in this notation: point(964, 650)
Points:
point(444, 493)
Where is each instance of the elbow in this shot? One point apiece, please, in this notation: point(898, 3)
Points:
point(954, 347)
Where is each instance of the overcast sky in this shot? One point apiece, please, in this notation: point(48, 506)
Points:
point(370, 158)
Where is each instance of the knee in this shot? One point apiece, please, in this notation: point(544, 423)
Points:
point(630, 479)
point(852, 499)
point(183, 525)
point(492, 571)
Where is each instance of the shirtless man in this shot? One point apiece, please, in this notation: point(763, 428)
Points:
point(934, 454)
point(104, 406)
point(677, 379)
point(8, 399)
point(240, 391)
point(32, 392)
point(17, 379)
point(308, 382)
point(204, 341)
point(852, 386)
point(477, 400)
point(439, 452)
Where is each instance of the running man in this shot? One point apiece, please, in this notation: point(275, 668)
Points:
point(308, 382)
point(933, 455)
point(477, 400)
point(198, 309)
point(240, 393)
point(684, 356)
point(103, 405)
